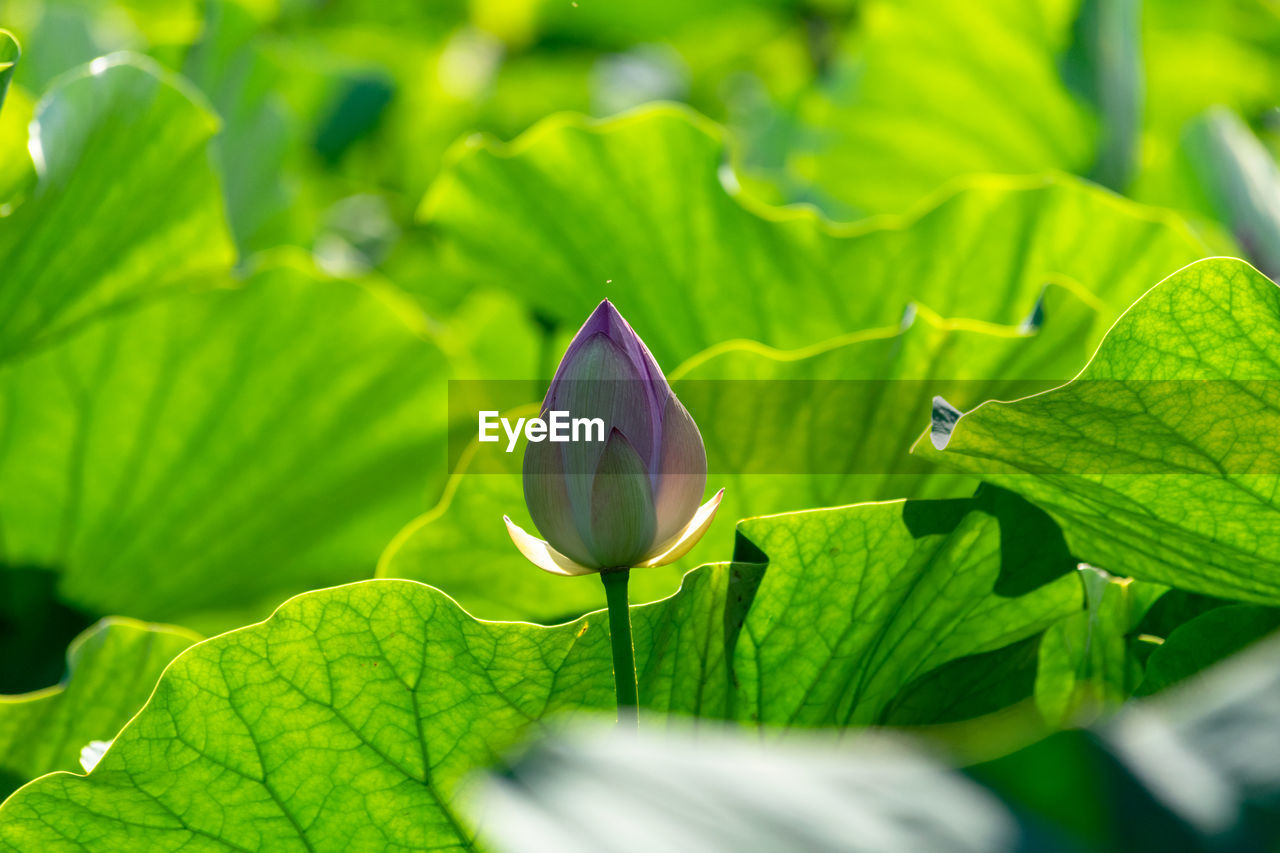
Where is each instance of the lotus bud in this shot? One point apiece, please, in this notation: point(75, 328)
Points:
point(626, 496)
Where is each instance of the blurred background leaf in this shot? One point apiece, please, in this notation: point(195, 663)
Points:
point(122, 211)
point(204, 456)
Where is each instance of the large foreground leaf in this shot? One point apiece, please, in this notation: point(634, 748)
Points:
point(349, 718)
point(1160, 460)
point(346, 721)
point(127, 204)
point(112, 669)
point(220, 450)
point(634, 209)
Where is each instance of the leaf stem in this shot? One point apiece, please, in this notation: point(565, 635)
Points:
point(624, 656)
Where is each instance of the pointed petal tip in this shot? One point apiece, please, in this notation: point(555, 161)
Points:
point(541, 554)
point(603, 320)
point(604, 315)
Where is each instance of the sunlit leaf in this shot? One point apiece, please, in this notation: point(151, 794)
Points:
point(1159, 460)
point(635, 209)
point(352, 715)
point(222, 449)
point(125, 208)
point(832, 636)
point(979, 89)
point(1087, 662)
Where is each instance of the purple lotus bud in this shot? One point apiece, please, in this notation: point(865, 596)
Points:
point(624, 491)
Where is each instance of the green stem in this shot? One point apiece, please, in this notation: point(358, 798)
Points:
point(624, 655)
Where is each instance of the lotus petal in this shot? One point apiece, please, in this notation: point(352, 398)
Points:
point(622, 519)
point(680, 477)
point(546, 492)
point(684, 541)
point(542, 555)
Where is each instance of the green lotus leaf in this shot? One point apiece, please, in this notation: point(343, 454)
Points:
point(971, 688)
point(199, 458)
point(636, 209)
point(112, 669)
point(122, 210)
point(919, 106)
point(834, 423)
point(1205, 640)
point(1159, 460)
point(1102, 89)
point(1089, 663)
point(352, 715)
point(968, 576)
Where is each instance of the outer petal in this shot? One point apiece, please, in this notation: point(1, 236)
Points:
point(542, 555)
point(681, 543)
point(680, 478)
point(599, 382)
point(546, 492)
point(605, 320)
point(622, 520)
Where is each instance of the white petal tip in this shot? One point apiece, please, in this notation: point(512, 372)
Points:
point(90, 755)
point(683, 542)
point(541, 554)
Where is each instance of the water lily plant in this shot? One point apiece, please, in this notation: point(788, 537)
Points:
point(628, 495)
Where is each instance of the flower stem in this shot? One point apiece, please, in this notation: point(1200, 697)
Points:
point(624, 656)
